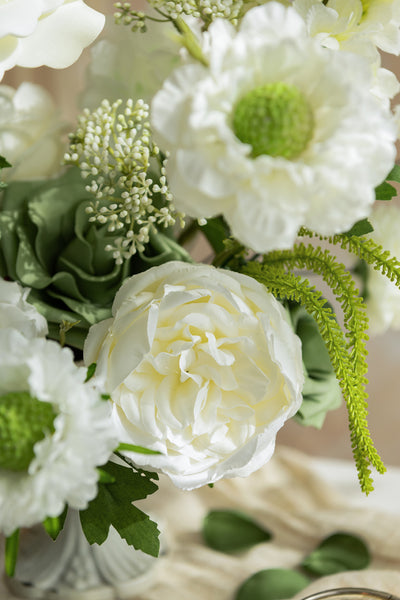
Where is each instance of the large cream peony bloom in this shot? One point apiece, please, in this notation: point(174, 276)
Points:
point(45, 32)
point(54, 432)
point(202, 366)
point(276, 133)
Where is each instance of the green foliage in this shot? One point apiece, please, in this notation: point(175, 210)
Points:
point(272, 584)
point(321, 391)
point(91, 370)
point(347, 354)
point(336, 553)
point(4, 164)
point(11, 553)
point(232, 531)
point(134, 448)
point(113, 506)
point(385, 191)
point(360, 228)
point(216, 231)
point(53, 525)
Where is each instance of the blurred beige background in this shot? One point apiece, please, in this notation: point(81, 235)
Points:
point(384, 351)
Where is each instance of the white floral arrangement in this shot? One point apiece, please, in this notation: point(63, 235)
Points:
point(265, 128)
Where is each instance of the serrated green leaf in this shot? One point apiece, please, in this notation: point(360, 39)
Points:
point(11, 553)
point(385, 191)
point(232, 531)
point(360, 228)
point(113, 506)
point(134, 448)
point(272, 584)
point(53, 525)
point(336, 553)
point(90, 371)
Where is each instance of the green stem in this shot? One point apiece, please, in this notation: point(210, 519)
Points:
point(11, 553)
point(189, 41)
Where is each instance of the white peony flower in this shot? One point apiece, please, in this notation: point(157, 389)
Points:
point(30, 132)
point(54, 432)
point(45, 32)
point(383, 299)
point(277, 133)
point(202, 366)
point(17, 313)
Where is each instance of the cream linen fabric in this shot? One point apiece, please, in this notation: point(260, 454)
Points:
point(291, 499)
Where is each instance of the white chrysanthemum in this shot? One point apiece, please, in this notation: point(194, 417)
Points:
point(42, 392)
point(17, 313)
point(383, 299)
point(45, 32)
point(311, 142)
point(30, 132)
point(202, 366)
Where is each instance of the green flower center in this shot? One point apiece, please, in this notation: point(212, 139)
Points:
point(23, 422)
point(274, 119)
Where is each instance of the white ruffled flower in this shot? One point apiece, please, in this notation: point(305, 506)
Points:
point(383, 299)
point(202, 366)
point(315, 163)
point(17, 313)
point(353, 24)
point(45, 32)
point(359, 27)
point(55, 431)
point(30, 132)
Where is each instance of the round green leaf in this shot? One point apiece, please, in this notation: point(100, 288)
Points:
point(272, 584)
point(232, 531)
point(336, 553)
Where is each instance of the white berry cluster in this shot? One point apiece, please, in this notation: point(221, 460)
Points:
point(125, 171)
point(207, 10)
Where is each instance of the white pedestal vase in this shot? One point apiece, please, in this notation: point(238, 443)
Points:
point(69, 568)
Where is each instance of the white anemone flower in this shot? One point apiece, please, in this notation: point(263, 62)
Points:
point(54, 432)
point(17, 313)
point(45, 32)
point(202, 366)
point(275, 133)
point(383, 296)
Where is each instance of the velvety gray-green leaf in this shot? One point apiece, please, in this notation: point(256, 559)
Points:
point(336, 553)
point(232, 531)
point(272, 584)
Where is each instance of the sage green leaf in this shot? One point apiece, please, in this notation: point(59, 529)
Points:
point(53, 525)
point(232, 531)
point(4, 163)
point(113, 506)
point(336, 553)
point(272, 584)
point(321, 390)
point(360, 228)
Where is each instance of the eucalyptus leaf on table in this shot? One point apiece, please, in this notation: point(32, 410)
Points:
point(232, 531)
point(272, 584)
point(336, 553)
